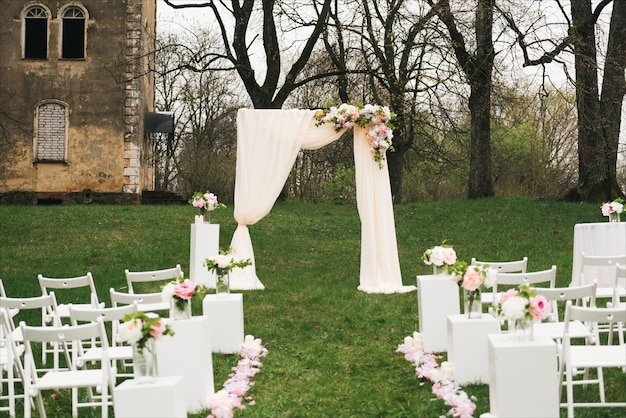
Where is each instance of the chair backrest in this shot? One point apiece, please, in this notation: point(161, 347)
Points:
point(123, 298)
point(169, 274)
point(112, 315)
point(619, 287)
point(594, 268)
point(70, 338)
point(516, 279)
point(515, 266)
point(593, 316)
point(45, 303)
point(61, 284)
point(583, 295)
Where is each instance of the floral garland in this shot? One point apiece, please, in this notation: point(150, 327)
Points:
point(444, 386)
point(223, 402)
point(373, 117)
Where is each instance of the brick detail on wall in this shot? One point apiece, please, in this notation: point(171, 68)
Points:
point(132, 103)
point(51, 131)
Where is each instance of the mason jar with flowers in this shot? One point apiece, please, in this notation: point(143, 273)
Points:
point(441, 257)
point(206, 203)
point(141, 330)
point(180, 293)
point(613, 209)
point(222, 264)
point(522, 307)
point(473, 279)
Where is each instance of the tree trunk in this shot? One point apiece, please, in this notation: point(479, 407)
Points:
point(613, 90)
point(592, 168)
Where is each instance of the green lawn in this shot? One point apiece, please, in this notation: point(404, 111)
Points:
point(332, 348)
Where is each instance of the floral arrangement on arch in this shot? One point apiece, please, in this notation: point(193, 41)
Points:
point(181, 291)
point(441, 256)
point(616, 206)
point(376, 118)
point(522, 303)
point(139, 327)
point(223, 402)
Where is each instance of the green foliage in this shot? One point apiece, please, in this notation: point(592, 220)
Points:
point(331, 347)
point(342, 187)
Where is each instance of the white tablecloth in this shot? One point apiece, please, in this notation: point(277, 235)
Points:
point(606, 238)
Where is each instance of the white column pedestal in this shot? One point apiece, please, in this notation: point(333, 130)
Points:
point(164, 398)
point(467, 346)
point(523, 379)
point(205, 242)
point(188, 354)
point(437, 297)
point(225, 315)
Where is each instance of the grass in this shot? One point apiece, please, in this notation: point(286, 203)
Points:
point(331, 347)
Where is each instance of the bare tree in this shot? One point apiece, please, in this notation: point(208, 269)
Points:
point(599, 114)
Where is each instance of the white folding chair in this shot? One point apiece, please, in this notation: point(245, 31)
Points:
point(12, 312)
point(146, 302)
point(508, 280)
point(136, 277)
point(595, 354)
point(514, 266)
point(26, 307)
point(118, 352)
point(79, 291)
point(76, 374)
point(601, 269)
point(10, 365)
point(617, 300)
point(584, 295)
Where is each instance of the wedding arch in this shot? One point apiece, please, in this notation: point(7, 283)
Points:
point(268, 142)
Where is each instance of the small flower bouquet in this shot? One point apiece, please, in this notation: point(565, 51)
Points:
point(521, 307)
point(473, 279)
point(206, 203)
point(613, 209)
point(180, 293)
point(377, 120)
point(223, 263)
point(140, 329)
point(441, 257)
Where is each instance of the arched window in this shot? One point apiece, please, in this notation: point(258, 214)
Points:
point(36, 33)
point(51, 131)
point(73, 33)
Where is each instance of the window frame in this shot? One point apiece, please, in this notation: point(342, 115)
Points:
point(26, 32)
point(62, 35)
point(66, 117)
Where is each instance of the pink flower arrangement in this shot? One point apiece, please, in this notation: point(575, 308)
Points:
point(181, 291)
point(522, 303)
point(373, 117)
point(444, 387)
point(138, 328)
point(440, 256)
point(224, 402)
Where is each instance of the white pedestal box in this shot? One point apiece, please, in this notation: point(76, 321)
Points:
point(225, 315)
point(188, 354)
point(164, 398)
point(523, 379)
point(205, 242)
point(437, 297)
point(467, 347)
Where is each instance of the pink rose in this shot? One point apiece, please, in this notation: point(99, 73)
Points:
point(449, 256)
point(157, 330)
point(185, 290)
point(539, 308)
point(198, 202)
point(506, 295)
point(472, 279)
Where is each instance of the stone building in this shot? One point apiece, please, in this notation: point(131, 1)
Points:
point(75, 94)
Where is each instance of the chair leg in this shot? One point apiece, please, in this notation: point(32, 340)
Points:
point(570, 392)
point(601, 385)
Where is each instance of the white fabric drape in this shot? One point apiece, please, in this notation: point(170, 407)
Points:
point(268, 142)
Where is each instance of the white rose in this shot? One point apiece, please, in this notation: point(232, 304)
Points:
point(514, 307)
point(222, 261)
point(617, 207)
point(492, 275)
point(168, 292)
point(130, 331)
point(437, 256)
